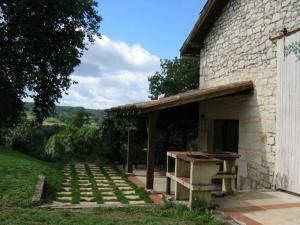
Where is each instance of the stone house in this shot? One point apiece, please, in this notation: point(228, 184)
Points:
point(238, 41)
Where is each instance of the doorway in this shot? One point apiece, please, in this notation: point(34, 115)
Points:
point(226, 136)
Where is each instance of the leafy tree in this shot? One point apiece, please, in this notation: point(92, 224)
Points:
point(41, 43)
point(81, 117)
point(177, 75)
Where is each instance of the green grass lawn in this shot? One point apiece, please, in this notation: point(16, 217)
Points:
point(19, 175)
point(18, 178)
point(169, 214)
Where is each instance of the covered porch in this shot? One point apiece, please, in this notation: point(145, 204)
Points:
point(184, 106)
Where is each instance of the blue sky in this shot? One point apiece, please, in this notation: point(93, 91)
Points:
point(136, 34)
point(160, 26)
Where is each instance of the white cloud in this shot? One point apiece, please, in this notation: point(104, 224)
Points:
point(111, 73)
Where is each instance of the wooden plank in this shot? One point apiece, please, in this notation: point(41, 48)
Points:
point(287, 168)
point(130, 153)
point(184, 98)
point(151, 130)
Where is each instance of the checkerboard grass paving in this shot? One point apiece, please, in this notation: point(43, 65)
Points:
point(99, 184)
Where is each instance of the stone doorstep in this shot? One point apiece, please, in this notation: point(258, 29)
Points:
point(108, 198)
point(108, 193)
point(132, 197)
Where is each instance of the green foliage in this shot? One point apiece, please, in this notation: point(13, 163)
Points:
point(81, 118)
point(31, 139)
point(39, 51)
point(64, 114)
point(200, 216)
point(177, 75)
point(159, 215)
point(114, 136)
point(19, 175)
point(77, 140)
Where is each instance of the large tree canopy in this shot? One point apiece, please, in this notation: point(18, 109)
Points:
point(41, 41)
point(177, 75)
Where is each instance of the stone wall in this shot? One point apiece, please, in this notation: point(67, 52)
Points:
point(238, 49)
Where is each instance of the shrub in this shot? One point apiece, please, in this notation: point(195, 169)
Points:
point(74, 142)
point(31, 139)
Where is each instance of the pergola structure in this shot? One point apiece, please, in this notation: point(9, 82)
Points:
point(151, 110)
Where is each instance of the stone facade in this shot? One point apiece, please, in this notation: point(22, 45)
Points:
point(238, 48)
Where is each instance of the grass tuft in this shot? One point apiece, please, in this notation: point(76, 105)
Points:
point(96, 193)
point(75, 186)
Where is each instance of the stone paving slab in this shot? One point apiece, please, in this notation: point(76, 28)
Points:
point(128, 192)
point(136, 202)
point(85, 189)
point(103, 185)
point(127, 188)
point(87, 199)
point(64, 193)
point(132, 197)
point(112, 203)
point(66, 189)
point(86, 194)
point(104, 189)
point(107, 193)
point(106, 179)
point(109, 198)
point(64, 198)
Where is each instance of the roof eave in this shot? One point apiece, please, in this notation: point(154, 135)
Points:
point(211, 11)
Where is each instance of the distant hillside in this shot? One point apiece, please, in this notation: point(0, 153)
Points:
point(63, 114)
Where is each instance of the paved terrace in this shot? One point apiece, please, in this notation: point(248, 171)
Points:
point(91, 184)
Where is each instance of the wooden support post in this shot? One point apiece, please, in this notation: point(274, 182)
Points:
point(168, 181)
point(151, 130)
point(130, 153)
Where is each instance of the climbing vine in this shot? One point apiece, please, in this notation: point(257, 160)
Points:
point(293, 48)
